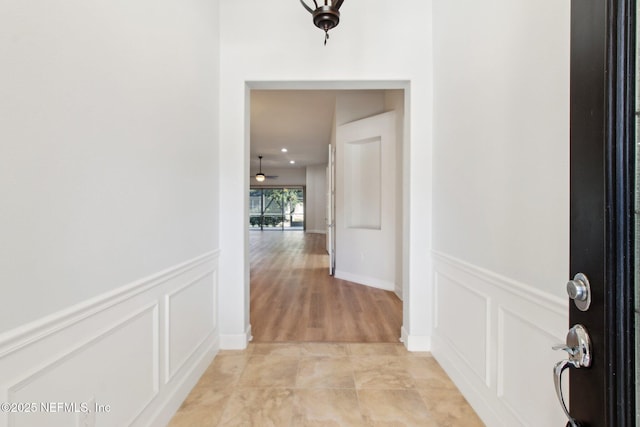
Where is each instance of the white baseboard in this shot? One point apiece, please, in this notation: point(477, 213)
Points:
point(174, 399)
point(365, 280)
point(493, 337)
point(236, 342)
point(139, 349)
point(415, 342)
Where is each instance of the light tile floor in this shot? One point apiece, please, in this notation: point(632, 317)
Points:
point(323, 385)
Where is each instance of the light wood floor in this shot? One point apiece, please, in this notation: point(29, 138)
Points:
point(293, 298)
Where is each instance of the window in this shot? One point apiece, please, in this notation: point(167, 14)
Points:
point(276, 209)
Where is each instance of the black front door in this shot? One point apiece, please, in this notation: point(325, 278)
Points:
point(602, 212)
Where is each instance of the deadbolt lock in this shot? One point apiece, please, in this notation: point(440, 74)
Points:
point(579, 291)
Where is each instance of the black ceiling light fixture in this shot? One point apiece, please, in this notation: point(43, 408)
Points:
point(260, 177)
point(326, 16)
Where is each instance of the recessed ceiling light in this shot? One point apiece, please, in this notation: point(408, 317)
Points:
point(292, 161)
point(284, 150)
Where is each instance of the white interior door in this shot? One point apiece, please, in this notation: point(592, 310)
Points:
point(365, 210)
point(330, 221)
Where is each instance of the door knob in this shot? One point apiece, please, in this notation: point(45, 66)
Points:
point(578, 347)
point(579, 291)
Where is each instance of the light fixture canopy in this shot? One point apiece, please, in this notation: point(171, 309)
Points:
point(325, 16)
point(260, 177)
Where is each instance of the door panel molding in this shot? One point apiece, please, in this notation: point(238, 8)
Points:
point(620, 178)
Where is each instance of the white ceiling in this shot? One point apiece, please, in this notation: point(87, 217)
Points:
point(298, 120)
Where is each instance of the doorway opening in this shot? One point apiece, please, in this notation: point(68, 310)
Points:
point(288, 272)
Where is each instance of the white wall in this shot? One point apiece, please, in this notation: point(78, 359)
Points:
point(108, 147)
point(352, 105)
point(372, 45)
point(501, 197)
point(316, 199)
point(108, 180)
point(366, 178)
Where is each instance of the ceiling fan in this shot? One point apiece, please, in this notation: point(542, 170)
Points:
point(260, 177)
point(266, 177)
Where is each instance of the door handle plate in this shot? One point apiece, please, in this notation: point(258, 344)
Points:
point(578, 347)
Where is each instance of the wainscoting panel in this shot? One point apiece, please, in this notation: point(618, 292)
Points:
point(493, 337)
point(69, 376)
point(129, 357)
point(190, 320)
point(467, 339)
point(525, 357)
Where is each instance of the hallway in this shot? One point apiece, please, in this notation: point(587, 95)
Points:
point(321, 384)
point(293, 298)
point(363, 377)
point(128, 154)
